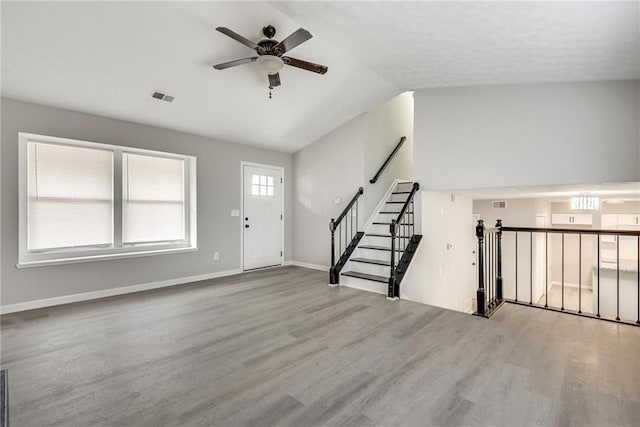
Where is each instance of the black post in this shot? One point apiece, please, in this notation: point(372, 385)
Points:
point(333, 276)
point(499, 262)
point(392, 276)
point(480, 295)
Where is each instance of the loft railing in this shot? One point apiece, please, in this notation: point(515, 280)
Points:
point(404, 243)
point(345, 228)
point(386, 162)
point(544, 265)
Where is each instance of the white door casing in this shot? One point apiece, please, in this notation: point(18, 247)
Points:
point(262, 216)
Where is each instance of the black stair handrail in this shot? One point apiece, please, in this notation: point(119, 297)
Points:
point(405, 237)
point(351, 237)
point(386, 162)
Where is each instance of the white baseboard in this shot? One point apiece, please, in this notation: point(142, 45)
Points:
point(312, 266)
point(86, 296)
point(568, 285)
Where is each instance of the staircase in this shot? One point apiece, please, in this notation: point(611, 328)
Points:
point(369, 266)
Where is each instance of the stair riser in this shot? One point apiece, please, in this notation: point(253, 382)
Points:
point(373, 254)
point(365, 285)
point(378, 270)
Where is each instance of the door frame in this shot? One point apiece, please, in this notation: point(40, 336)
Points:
point(244, 163)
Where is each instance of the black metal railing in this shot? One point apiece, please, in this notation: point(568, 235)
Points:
point(345, 229)
point(404, 242)
point(386, 162)
point(489, 261)
point(587, 272)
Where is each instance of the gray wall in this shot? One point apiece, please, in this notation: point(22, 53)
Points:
point(218, 182)
point(340, 162)
point(494, 136)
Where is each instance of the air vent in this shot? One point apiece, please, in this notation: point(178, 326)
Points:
point(498, 204)
point(162, 96)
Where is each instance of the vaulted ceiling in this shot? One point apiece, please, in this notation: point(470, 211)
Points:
point(106, 58)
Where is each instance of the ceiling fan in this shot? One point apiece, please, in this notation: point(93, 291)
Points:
point(270, 53)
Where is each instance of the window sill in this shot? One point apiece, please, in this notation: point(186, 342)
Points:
point(105, 257)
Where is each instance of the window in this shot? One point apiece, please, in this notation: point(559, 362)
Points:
point(261, 185)
point(82, 201)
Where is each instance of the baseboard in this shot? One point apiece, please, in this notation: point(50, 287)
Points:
point(86, 296)
point(569, 285)
point(312, 266)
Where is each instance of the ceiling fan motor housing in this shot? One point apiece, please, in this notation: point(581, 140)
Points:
point(269, 31)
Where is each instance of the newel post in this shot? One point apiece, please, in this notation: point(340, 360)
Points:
point(480, 295)
point(499, 266)
point(392, 276)
point(333, 276)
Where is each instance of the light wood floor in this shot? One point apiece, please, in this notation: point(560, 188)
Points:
point(281, 347)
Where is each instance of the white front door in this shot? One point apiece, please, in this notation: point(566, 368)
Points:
point(262, 221)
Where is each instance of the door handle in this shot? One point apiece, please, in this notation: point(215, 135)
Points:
point(246, 226)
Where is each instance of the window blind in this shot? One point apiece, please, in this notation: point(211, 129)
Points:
point(70, 197)
point(153, 199)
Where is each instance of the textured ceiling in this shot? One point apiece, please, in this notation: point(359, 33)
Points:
point(106, 58)
point(432, 44)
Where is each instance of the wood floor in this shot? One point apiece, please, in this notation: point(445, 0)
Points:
point(281, 347)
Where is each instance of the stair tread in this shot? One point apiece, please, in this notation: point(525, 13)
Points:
point(401, 192)
point(366, 276)
point(389, 212)
point(379, 248)
point(378, 235)
point(372, 261)
point(396, 202)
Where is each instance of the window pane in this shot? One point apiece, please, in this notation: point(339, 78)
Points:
point(153, 199)
point(263, 180)
point(255, 179)
point(263, 190)
point(255, 190)
point(269, 191)
point(270, 181)
point(70, 196)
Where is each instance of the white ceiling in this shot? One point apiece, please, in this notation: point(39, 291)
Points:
point(107, 57)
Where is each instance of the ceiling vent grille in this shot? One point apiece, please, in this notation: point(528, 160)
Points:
point(498, 204)
point(162, 96)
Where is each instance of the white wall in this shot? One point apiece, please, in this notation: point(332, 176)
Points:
point(441, 275)
point(326, 169)
point(338, 164)
point(218, 186)
point(495, 136)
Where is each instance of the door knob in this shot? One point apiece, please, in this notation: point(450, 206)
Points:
point(246, 226)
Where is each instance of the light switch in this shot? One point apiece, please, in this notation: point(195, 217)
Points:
point(235, 212)
point(337, 201)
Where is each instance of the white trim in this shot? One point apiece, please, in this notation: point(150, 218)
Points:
point(86, 296)
point(29, 264)
point(244, 163)
point(382, 202)
point(311, 266)
point(568, 285)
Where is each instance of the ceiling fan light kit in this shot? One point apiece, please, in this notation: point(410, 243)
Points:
point(270, 59)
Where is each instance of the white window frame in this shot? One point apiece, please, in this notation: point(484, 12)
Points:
point(118, 250)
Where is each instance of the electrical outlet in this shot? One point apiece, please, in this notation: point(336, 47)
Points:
point(216, 256)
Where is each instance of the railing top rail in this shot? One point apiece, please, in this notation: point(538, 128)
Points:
point(386, 162)
point(349, 206)
point(414, 189)
point(491, 230)
point(572, 231)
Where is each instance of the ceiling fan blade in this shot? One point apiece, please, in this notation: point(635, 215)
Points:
point(305, 65)
point(274, 80)
point(237, 37)
point(296, 38)
point(230, 64)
